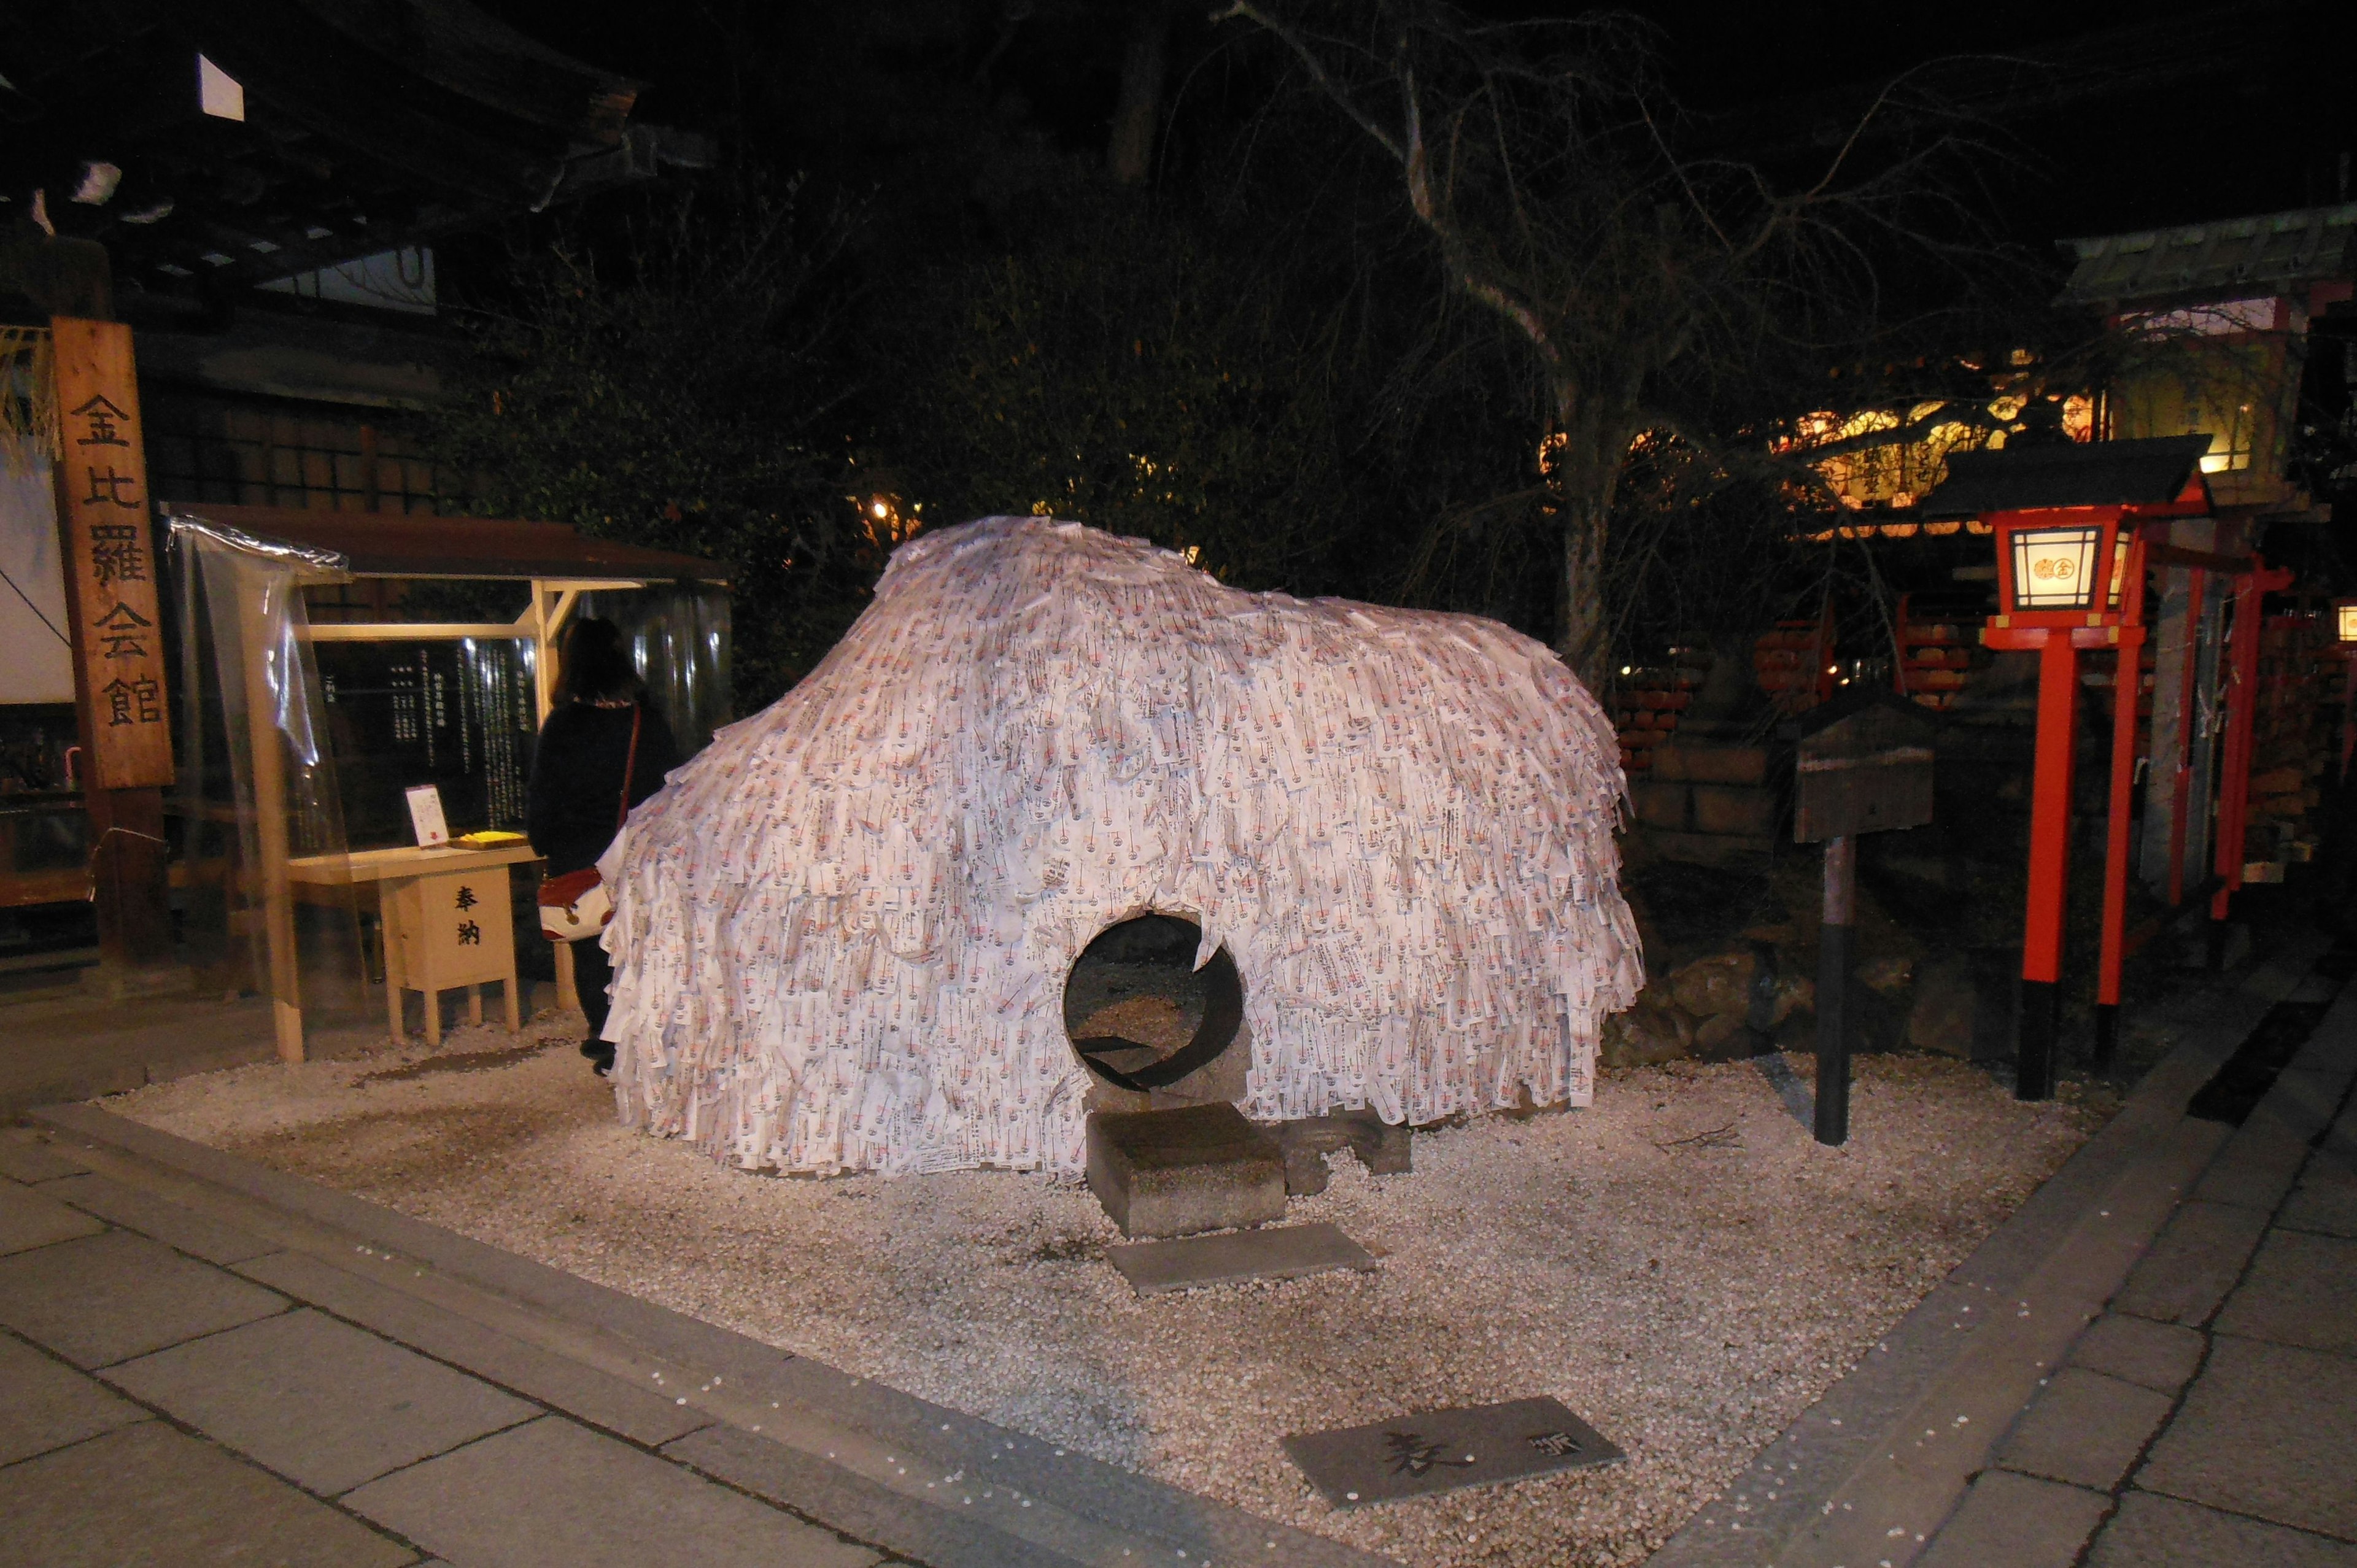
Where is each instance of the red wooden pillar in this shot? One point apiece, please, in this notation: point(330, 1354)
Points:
point(2127, 692)
point(2234, 772)
point(2049, 863)
point(2242, 709)
point(2197, 583)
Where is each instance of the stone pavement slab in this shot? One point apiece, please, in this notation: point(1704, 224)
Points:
point(2161, 1532)
point(2301, 1289)
point(2152, 1355)
point(183, 1229)
point(107, 1298)
point(2265, 1430)
point(2258, 1164)
point(2326, 1207)
point(2193, 1263)
point(29, 1218)
point(148, 1497)
point(44, 1405)
point(81, 1047)
point(553, 1495)
point(28, 1156)
point(584, 1391)
point(2084, 1428)
point(861, 1507)
point(321, 1402)
point(347, 1256)
point(2013, 1522)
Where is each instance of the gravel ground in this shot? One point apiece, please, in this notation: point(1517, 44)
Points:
point(1681, 1265)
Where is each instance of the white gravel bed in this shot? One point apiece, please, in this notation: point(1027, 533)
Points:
point(1682, 1264)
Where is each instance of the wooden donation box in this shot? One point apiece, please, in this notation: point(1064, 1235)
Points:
point(448, 922)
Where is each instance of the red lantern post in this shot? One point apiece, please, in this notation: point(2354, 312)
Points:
point(2071, 564)
point(2056, 568)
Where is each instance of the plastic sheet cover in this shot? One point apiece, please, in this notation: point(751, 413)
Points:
point(843, 932)
point(678, 635)
point(258, 784)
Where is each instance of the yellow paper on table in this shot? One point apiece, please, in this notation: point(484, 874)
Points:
point(489, 838)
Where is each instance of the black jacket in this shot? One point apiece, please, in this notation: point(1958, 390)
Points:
point(576, 795)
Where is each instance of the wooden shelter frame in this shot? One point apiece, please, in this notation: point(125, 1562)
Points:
point(554, 596)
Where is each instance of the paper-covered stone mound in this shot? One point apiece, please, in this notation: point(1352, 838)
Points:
point(842, 932)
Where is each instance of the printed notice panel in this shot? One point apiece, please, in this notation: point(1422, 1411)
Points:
point(110, 550)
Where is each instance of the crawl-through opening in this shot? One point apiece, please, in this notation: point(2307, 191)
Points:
point(1138, 979)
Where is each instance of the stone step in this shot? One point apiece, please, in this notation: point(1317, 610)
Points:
point(1277, 1252)
point(1173, 1173)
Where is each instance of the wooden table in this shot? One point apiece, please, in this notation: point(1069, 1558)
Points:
point(447, 922)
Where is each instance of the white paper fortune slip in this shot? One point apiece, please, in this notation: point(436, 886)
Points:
point(425, 815)
point(842, 932)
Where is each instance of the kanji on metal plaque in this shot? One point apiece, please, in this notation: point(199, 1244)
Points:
point(1425, 1451)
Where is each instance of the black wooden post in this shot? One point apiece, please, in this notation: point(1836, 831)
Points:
point(1833, 991)
point(1862, 764)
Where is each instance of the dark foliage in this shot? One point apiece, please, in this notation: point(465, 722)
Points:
point(674, 379)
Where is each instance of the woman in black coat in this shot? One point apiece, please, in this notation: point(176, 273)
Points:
point(583, 764)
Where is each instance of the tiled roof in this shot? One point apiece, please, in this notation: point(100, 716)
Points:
point(2274, 254)
point(2149, 472)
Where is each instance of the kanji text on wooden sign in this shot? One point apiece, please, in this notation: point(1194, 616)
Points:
point(458, 929)
point(111, 566)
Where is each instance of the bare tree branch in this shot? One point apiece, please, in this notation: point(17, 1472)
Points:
point(1541, 161)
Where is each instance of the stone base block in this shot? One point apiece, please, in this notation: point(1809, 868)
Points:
point(1383, 1148)
point(1744, 850)
point(1706, 764)
point(1658, 803)
point(1173, 1173)
point(1735, 810)
point(1305, 1174)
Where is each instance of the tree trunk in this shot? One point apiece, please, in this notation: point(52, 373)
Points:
point(1585, 638)
point(1587, 472)
point(1137, 113)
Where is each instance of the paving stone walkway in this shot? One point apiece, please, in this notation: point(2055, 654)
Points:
point(2208, 1415)
point(2152, 1365)
point(205, 1361)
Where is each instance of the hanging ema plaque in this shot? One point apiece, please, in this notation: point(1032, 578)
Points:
point(110, 552)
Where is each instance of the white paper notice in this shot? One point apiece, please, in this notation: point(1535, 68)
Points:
point(841, 933)
point(425, 816)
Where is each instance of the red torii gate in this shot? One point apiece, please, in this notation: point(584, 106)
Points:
point(2071, 523)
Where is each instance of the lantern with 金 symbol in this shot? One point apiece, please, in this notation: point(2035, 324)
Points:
point(2060, 570)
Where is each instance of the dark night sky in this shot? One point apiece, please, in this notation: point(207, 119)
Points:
point(2221, 110)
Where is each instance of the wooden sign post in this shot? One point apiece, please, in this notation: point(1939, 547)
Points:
point(107, 537)
point(1862, 764)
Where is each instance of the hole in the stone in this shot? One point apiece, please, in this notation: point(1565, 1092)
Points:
point(1138, 1010)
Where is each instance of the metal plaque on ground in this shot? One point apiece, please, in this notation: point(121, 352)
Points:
point(1441, 1450)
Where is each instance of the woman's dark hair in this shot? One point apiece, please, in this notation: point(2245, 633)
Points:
point(592, 665)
